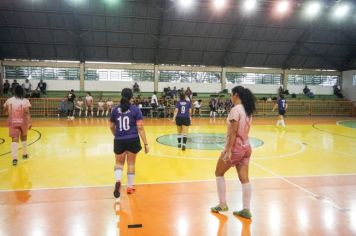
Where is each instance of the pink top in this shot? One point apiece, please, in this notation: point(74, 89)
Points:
point(16, 108)
point(89, 100)
point(238, 114)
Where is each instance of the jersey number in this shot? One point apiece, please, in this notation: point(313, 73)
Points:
point(183, 110)
point(124, 123)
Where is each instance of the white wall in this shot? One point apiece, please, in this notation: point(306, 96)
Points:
point(257, 88)
point(195, 87)
point(348, 90)
point(116, 85)
point(317, 90)
point(59, 84)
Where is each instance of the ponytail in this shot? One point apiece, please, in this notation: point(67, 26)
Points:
point(247, 98)
point(126, 95)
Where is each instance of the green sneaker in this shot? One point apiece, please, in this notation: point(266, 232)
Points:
point(219, 208)
point(245, 213)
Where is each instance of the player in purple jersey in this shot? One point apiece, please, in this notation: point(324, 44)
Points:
point(126, 124)
point(282, 107)
point(182, 117)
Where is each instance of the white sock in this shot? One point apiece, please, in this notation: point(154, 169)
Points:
point(14, 150)
point(24, 148)
point(278, 122)
point(130, 180)
point(211, 114)
point(221, 186)
point(118, 174)
point(283, 124)
point(246, 195)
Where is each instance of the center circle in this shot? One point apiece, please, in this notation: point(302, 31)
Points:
point(203, 141)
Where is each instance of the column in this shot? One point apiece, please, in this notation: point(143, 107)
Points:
point(81, 75)
point(285, 79)
point(223, 78)
point(1, 77)
point(156, 76)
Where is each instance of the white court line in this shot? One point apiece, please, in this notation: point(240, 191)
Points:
point(178, 182)
point(315, 196)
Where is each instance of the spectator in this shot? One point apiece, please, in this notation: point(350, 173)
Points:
point(62, 108)
point(42, 86)
point(89, 104)
point(213, 107)
point(27, 86)
point(188, 94)
point(6, 87)
point(13, 85)
point(35, 94)
point(174, 92)
point(307, 92)
point(80, 106)
point(197, 107)
point(136, 88)
point(337, 91)
point(70, 105)
point(109, 106)
point(280, 90)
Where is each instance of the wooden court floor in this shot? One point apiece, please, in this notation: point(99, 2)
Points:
point(303, 178)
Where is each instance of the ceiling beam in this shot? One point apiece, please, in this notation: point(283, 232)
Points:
point(236, 35)
point(162, 8)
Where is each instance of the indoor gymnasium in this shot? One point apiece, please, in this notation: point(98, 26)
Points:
point(178, 117)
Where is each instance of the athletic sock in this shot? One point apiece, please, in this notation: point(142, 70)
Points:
point(24, 148)
point(14, 146)
point(118, 174)
point(246, 195)
point(179, 140)
point(130, 180)
point(283, 124)
point(221, 186)
point(184, 140)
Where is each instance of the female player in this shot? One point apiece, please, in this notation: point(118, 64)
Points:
point(100, 108)
point(89, 102)
point(126, 124)
point(282, 107)
point(182, 115)
point(80, 106)
point(109, 105)
point(237, 150)
point(19, 121)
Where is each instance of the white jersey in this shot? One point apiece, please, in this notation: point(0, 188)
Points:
point(154, 99)
point(89, 100)
point(109, 104)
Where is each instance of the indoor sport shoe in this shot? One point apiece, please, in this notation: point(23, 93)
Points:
point(14, 162)
point(130, 190)
point(219, 208)
point(179, 145)
point(25, 156)
point(183, 148)
point(117, 189)
point(245, 213)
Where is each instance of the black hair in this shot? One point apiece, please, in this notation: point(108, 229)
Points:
point(19, 92)
point(89, 93)
point(247, 98)
point(126, 95)
point(182, 96)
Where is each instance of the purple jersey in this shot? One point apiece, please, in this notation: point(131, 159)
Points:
point(183, 108)
point(282, 104)
point(126, 122)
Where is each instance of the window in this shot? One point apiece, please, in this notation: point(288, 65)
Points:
point(189, 77)
point(354, 80)
point(119, 75)
point(323, 80)
point(253, 78)
point(45, 73)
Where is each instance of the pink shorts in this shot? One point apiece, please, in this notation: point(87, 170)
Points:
point(15, 132)
point(240, 156)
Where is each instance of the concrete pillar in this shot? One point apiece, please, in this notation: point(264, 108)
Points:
point(81, 75)
point(285, 79)
point(156, 77)
point(223, 78)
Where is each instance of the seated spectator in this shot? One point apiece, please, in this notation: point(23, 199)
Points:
point(13, 85)
point(307, 92)
point(197, 107)
point(35, 94)
point(42, 86)
point(27, 86)
point(62, 109)
point(79, 106)
point(136, 88)
point(337, 91)
point(6, 87)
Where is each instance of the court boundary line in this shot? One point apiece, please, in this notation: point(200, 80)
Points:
point(321, 130)
point(176, 182)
